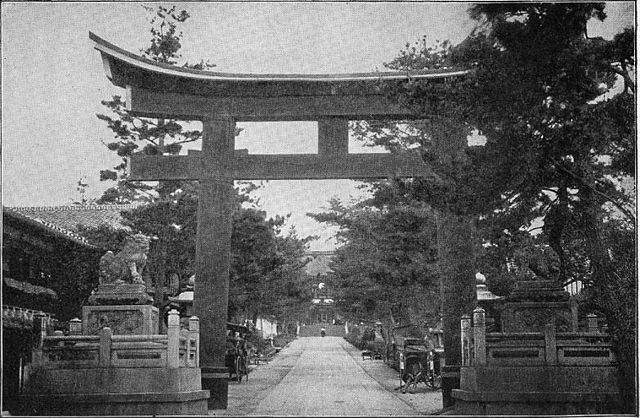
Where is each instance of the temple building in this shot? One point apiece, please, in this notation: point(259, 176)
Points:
point(48, 270)
point(322, 306)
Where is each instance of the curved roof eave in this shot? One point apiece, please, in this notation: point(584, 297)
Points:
point(131, 63)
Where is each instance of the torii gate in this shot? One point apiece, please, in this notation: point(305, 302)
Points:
point(220, 100)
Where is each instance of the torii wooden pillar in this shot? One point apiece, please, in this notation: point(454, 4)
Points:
point(219, 101)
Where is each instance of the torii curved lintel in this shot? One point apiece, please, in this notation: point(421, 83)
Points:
point(158, 90)
point(130, 62)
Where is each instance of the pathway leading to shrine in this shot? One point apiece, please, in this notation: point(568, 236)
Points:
point(325, 376)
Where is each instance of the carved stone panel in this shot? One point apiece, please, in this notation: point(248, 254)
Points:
point(120, 322)
point(122, 319)
point(534, 319)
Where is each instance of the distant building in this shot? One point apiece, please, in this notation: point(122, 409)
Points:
point(43, 255)
point(267, 326)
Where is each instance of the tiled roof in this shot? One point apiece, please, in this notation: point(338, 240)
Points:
point(65, 219)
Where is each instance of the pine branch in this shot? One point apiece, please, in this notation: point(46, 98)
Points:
point(621, 208)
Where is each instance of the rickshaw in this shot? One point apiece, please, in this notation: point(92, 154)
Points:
point(418, 364)
point(237, 358)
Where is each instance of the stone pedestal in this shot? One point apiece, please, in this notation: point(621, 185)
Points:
point(534, 304)
point(125, 308)
point(121, 294)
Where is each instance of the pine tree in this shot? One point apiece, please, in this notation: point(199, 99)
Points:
point(151, 136)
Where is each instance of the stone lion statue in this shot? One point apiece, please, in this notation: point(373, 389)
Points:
point(127, 265)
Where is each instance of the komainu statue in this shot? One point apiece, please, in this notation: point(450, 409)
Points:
point(127, 265)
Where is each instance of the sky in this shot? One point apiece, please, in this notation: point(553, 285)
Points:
point(53, 82)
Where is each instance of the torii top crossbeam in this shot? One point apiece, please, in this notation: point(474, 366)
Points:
point(194, 94)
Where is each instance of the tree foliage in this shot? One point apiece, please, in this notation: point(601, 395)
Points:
point(385, 268)
point(266, 276)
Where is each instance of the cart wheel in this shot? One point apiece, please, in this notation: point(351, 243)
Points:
point(238, 371)
point(437, 382)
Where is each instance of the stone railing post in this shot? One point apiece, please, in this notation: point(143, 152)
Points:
point(592, 323)
point(173, 340)
point(194, 332)
point(479, 337)
point(59, 333)
point(105, 347)
point(574, 314)
point(40, 328)
point(550, 347)
point(75, 327)
point(465, 337)
point(40, 331)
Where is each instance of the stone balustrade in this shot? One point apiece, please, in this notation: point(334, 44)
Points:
point(179, 348)
point(480, 348)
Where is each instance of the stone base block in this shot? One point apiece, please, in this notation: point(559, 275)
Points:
point(186, 403)
point(120, 380)
point(122, 319)
point(216, 381)
point(534, 403)
point(450, 381)
point(502, 379)
point(115, 391)
point(537, 390)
